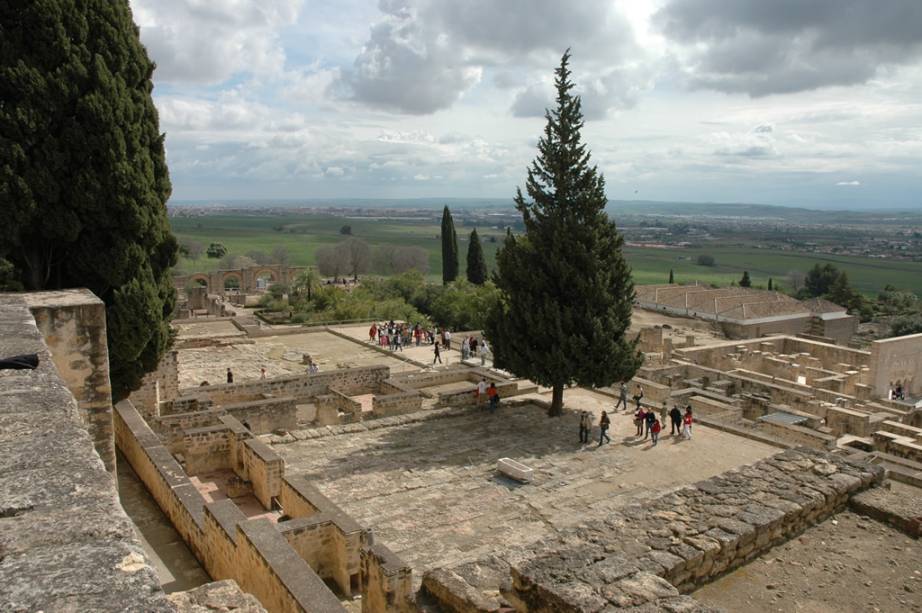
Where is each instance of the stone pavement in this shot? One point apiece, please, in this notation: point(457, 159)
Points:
point(430, 492)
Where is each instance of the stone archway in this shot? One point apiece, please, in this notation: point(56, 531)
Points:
point(232, 281)
point(200, 280)
point(263, 278)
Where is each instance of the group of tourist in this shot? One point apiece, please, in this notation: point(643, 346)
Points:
point(647, 423)
point(397, 335)
point(896, 392)
point(484, 392)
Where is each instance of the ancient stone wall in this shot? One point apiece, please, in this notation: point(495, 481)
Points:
point(647, 554)
point(392, 398)
point(897, 360)
point(65, 542)
point(389, 582)
point(73, 323)
point(264, 469)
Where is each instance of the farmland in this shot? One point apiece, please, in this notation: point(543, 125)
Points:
point(302, 234)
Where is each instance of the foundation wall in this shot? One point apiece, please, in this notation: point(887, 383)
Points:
point(897, 360)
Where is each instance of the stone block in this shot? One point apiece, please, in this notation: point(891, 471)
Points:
point(515, 470)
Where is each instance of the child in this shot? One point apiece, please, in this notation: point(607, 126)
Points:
point(654, 431)
point(493, 394)
point(687, 423)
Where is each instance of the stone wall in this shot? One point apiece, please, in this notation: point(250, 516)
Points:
point(157, 387)
point(393, 398)
point(65, 542)
point(264, 469)
point(388, 580)
point(300, 387)
point(73, 323)
point(897, 360)
point(648, 554)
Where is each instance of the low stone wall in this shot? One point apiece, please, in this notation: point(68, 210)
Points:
point(300, 387)
point(464, 397)
point(799, 435)
point(389, 582)
point(646, 555)
point(393, 398)
point(264, 469)
point(229, 546)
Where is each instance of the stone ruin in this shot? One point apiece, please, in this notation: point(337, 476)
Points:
point(272, 539)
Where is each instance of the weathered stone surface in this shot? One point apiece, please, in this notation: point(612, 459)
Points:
point(218, 596)
point(65, 542)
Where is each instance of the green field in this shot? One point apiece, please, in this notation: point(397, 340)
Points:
point(302, 235)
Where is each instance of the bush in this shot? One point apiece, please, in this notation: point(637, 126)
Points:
point(902, 326)
point(706, 260)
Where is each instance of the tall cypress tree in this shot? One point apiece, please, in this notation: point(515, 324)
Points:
point(83, 178)
point(671, 276)
point(770, 284)
point(476, 265)
point(566, 290)
point(745, 281)
point(449, 248)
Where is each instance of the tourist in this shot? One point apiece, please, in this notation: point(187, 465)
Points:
point(473, 348)
point(493, 394)
point(687, 423)
point(584, 425)
point(604, 422)
point(465, 349)
point(372, 333)
point(622, 397)
point(639, 395)
point(649, 418)
point(417, 334)
point(447, 335)
point(438, 355)
point(484, 350)
point(663, 412)
point(481, 391)
point(398, 342)
point(654, 431)
point(639, 418)
point(313, 368)
point(230, 376)
point(676, 416)
point(262, 372)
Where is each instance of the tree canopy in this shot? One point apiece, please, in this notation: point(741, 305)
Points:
point(476, 265)
point(566, 289)
point(83, 177)
point(449, 248)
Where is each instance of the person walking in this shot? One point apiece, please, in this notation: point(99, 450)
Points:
point(465, 350)
point(484, 350)
point(493, 394)
point(649, 418)
point(622, 397)
point(230, 376)
point(584, 425)
point(639, 395)
point(639, 418)
point(676, 416)
point(481, 392)
point(262, 372)
point(654, 431)
point(687, 423)
point(438, 355)
point(372, 333)
point(398, 342)
point(604, 422)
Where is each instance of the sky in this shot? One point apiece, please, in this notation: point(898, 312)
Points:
point(801, 103)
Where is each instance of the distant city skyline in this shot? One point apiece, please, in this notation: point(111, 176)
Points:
point(786, 103)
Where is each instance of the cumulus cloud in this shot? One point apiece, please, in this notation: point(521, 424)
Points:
point(197, 41)
point(423, 55)
point(610, 90)
point(761, 48)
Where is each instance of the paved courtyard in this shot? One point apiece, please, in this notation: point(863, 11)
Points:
point(280, 356)
point(430, 492)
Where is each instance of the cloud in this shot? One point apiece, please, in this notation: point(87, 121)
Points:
point(849, 184)
point(761, 48)
point(193, 41)
point(423, 55)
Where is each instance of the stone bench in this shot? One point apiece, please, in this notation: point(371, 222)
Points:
point(514, 470)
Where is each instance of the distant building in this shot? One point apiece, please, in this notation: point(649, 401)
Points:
point(750, 313)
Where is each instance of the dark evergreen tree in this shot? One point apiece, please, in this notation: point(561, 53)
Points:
point(476, 265)
point(770, 285)
point(449, 248)
point(566, 290)
point(83, 178)
point(745, 281)
point(671, 276)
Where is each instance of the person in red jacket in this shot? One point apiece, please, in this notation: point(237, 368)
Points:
point(654, 431)
point(687, 423)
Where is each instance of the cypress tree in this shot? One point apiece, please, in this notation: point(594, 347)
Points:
point(449, 248)
point(476, 266)
point(83, 177)
point(566, 290)
point(770, 288)
point(671, 277)
point(745, 281)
